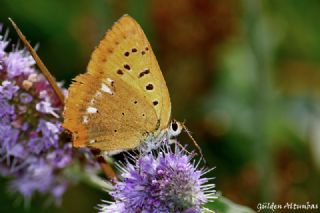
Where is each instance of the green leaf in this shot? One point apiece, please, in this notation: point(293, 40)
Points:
point(224, 205)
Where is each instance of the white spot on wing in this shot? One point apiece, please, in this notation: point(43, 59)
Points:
point(109, 80)
point(92, 110)
point(92, 141)
point(92, 101)
point(98, 94)
point(106, 89)
point(85, 119)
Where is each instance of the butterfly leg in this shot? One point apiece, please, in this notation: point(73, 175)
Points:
point(171, 140)
point(152, 143)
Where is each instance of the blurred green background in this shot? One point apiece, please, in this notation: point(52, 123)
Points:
point(245, 75)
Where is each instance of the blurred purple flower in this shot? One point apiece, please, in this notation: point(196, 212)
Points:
point(18, 63)
point(25, 98)
point(6, 109)
point(3, 44)
point(8, 89)
point(165, 181)
point(31, 151)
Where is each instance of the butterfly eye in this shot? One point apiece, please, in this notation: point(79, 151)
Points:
point(175, 128)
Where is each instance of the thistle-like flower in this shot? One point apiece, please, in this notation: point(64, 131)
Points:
point(165, 180)
point(32, 153)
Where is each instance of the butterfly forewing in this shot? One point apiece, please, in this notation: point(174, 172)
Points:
point(123, 96)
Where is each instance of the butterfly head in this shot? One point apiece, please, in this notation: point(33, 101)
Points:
point(175, 128)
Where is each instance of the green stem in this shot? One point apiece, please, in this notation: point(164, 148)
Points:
point(92, 179)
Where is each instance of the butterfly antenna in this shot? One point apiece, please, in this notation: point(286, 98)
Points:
point(40, 64)
point(191, 137)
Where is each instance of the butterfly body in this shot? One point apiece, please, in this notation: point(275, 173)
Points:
point(122, 101)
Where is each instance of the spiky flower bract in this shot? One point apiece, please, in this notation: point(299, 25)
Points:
point(32, 154)
point(164, 180)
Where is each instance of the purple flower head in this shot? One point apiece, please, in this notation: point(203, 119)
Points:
point(165, 181)
point(31, 151)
